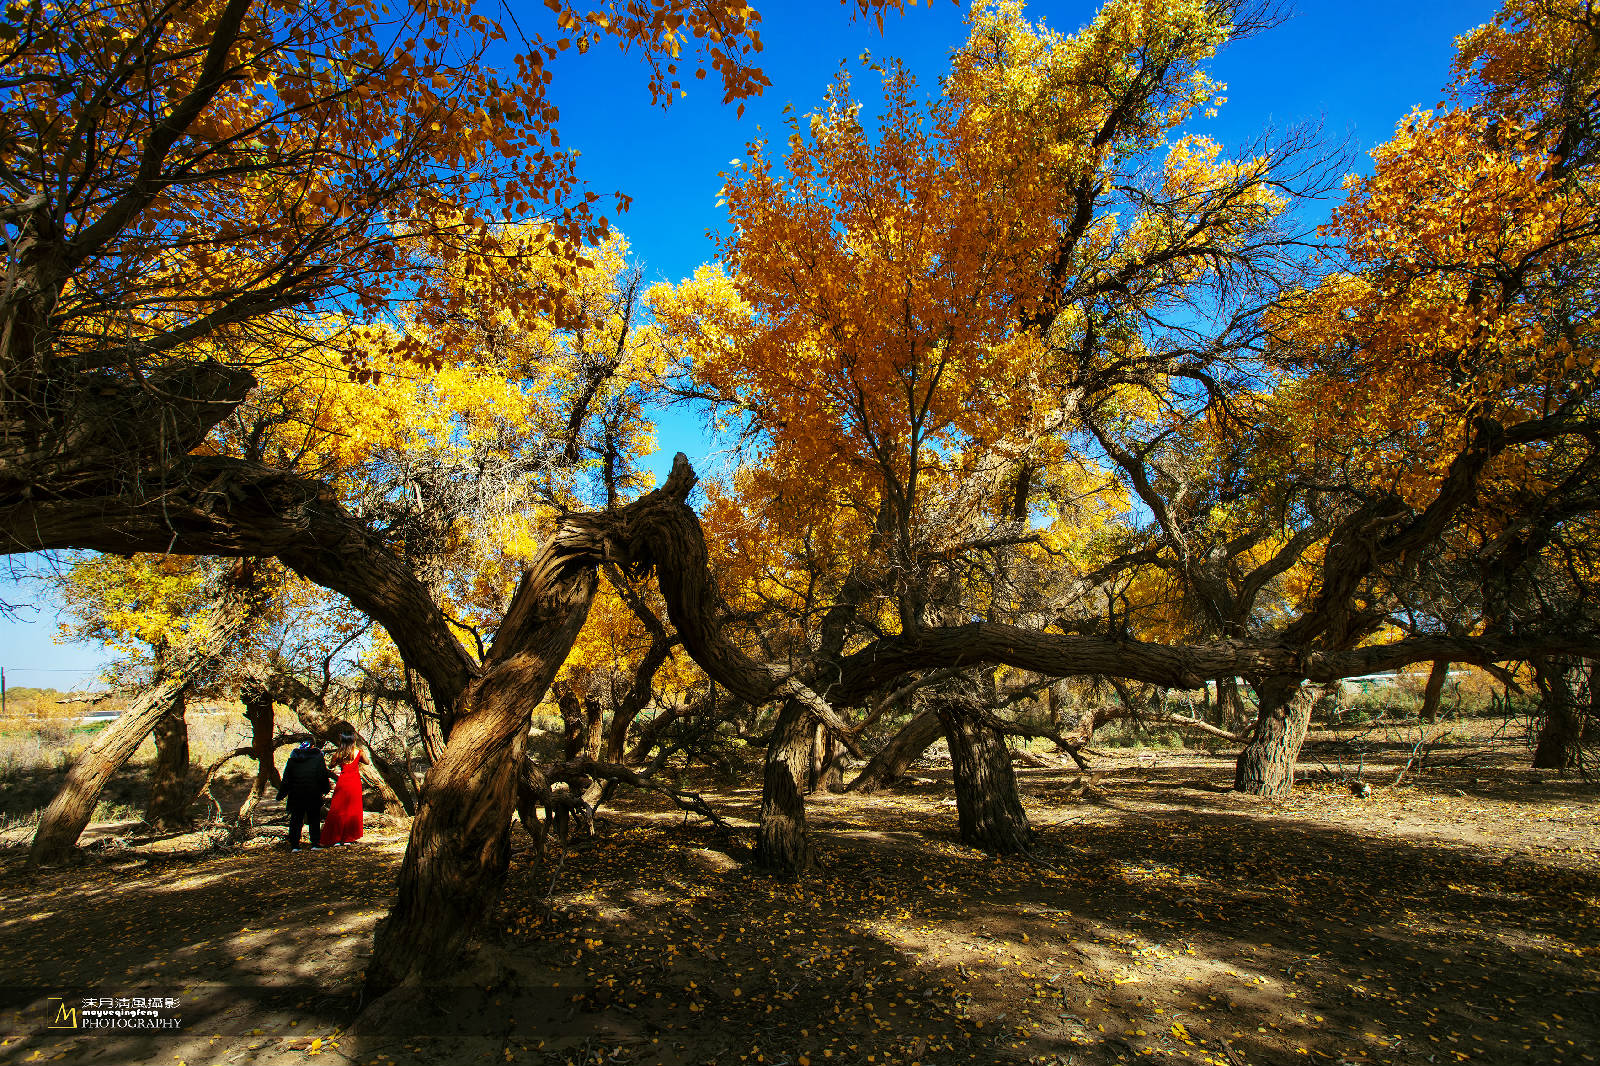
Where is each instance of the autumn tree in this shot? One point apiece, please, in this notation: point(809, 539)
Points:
point(146, 609)
point(186, 622)
point(1451, 363)
point(913, 323)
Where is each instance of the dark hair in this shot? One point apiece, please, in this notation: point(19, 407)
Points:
point(347, 749)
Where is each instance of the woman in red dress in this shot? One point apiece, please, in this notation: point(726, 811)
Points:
point(343, 825)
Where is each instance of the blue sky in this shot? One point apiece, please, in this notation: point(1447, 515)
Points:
point(1357, 67)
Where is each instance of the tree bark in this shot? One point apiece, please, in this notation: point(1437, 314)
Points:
point(571, 709)
point(430, 724)
point(258, 709)
point(459, 848)
point(783, 846)
point(1266, 766)
point(905, 748)
point(1561, 734)
point(1591, 726)
point(1432, 690)
point(987, 806)
point(69, 812)
point(168, 807)
point(824, 774)
point(1230, 705)
point(594, 736)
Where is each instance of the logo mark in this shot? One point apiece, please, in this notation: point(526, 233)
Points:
point(66, 1017)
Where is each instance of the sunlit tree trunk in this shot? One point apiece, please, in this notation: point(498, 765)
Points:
point(430, 723)
point(459, 848)
point(783, 845)
point(63, 821)
point(825, 774)
point(168, 806)
point(1266, 766)
point(259, 710)
point(571, 709)
point(905, 748)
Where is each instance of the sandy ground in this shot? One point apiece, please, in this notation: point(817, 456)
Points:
point(1453, 917)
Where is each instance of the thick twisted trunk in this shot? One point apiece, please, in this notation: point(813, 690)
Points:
point(258, 709)
point(1561, 734)
point(1266, 766)
point(69, 812)
point(168, 806)
point(783, 845)
point(825, 773)
point(459, 848)
point(905, 748)
point(987, 806)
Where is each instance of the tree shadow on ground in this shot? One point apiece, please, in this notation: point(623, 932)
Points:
point(1160, 926)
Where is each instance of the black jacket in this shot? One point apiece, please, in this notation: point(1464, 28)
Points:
point(305, 777)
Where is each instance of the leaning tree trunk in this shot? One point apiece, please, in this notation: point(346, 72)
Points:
point(1432, 690)
point(64, 820)
point(906, 747)
point(783, 845)
point(460, 841)
point(825, 774)
point(168, 806)
point(987, 806)
point(1266, 765)
point(1561, 735)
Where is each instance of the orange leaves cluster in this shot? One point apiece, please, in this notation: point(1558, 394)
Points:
point(900, 320)
point(212, 163)
point(1467, 248)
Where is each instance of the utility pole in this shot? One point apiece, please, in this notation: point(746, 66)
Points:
point(2, 692)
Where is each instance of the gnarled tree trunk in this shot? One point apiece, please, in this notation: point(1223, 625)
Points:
point(1561, 734)
point(1266, 765)
point(459, 848)
point(594, 737)
point(571, 709)
point(168, 806)
point(64, 820)
point(824, 774)
point(905, 748)
point(987, 806)
point(783, 845)
point(258, 709)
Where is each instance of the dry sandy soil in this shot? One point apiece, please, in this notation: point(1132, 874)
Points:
point(1453, 917)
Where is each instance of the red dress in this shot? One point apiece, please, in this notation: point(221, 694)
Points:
point(344, 811)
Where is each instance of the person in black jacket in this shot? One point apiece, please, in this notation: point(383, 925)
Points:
point(305, 781)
